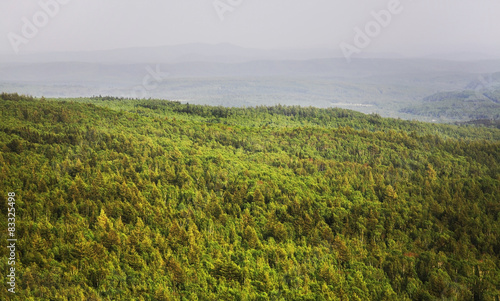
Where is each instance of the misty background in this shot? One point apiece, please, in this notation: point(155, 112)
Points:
point(433, 60)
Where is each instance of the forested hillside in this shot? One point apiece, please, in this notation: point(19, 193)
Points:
point(121, 199)
point(464, 105)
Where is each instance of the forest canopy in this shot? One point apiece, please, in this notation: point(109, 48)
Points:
point(121, 199)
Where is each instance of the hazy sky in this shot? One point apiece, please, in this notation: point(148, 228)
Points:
point(416, 27)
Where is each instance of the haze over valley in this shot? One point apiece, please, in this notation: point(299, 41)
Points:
point(233, 76)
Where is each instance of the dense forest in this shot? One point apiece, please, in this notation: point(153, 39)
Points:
point(123, 199)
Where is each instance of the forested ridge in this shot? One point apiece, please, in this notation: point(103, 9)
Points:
point(121, 199)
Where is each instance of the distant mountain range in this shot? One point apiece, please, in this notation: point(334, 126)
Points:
point(214, 53)
point(196, 52)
